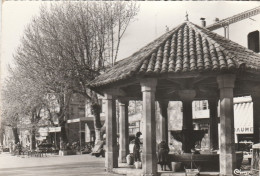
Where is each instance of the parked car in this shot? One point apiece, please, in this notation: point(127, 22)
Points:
point(99, 149)
point(46, 147)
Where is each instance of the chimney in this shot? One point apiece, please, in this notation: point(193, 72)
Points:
point(203, 22)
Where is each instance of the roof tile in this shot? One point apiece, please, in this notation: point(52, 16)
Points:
point(188, 47)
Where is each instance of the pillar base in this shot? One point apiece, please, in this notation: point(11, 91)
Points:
point(227, 163)
point(111, 161)
point(150, 166)
point(122, 156)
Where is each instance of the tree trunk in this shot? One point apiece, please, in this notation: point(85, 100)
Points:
point(33, 140)
point(63, 136)
point(16, 136)
point(2, 135)
point(64, 115)
point(96, 109)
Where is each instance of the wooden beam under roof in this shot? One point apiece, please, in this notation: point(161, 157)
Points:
point(234, 19)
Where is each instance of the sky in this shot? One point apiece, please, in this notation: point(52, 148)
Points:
point(150, 23)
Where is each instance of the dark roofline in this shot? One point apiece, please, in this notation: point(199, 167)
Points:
point(234, 19)
point(150, 61)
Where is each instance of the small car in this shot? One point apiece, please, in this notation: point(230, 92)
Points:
point(99, 149)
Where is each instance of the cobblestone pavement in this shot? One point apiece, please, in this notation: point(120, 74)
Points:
point(52, 165)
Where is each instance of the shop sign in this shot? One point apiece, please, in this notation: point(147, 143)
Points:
point(244, 130)
point(54, 129)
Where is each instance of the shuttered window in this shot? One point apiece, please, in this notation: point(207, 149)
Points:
point(253, 41)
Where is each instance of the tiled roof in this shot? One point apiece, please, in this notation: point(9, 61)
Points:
point(186, 48)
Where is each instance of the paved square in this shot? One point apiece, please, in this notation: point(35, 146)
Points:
point(53, 165)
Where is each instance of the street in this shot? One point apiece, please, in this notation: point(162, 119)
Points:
point(54, 165)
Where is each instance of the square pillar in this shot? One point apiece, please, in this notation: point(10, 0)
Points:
point(123, 130)
point(187, 128)
point(227, 160)
point(111, 135)
point(256, 117)
point(149, 165)
point(163, 121)
point(213, 123)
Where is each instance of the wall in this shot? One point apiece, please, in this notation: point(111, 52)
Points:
point(238, 31)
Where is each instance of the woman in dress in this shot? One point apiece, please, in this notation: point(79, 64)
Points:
point(163, 150)
point(136, 150)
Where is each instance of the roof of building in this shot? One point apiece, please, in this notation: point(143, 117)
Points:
point(235, 18)
point(186, 48)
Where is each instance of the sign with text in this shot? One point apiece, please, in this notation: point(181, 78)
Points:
point(244, 130)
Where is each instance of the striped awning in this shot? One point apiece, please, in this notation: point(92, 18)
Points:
point(135, 117)
point(44, 131)
point(243, 115)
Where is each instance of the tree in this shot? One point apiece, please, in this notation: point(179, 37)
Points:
point(135, 107)
point(68, 44)
point(23, 103)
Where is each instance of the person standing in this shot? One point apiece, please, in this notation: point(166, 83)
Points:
point(136, 151)
point(163, 150)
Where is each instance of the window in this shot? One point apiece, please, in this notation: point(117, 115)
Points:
point(253, 41)
point(205, 105)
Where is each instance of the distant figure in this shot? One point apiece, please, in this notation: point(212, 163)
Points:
point(14, 148)
point(19, 148)
point(163, 150)
point(11, 144)
point(136, 151)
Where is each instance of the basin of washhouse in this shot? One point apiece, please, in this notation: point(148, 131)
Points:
point(188, 138)
point(205, 161)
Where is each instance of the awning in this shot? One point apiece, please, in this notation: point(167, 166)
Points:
point(135, 117)
point(243, 115)
point(201, 114)
point(45, 130)
point(40, 138)
point(89, 117)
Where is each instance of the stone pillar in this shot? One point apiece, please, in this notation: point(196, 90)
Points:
point(227, 147)
point(213, 124)
point(123, 130)
point(187, 96)
point(111, 136)
point(149, 130)
point(256, 123)
point(256, 116)
point(164, 120)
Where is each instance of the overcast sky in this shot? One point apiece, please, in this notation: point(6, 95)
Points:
point(150, 23)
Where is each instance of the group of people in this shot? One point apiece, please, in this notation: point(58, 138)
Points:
point(163, 150)
point(15, 148)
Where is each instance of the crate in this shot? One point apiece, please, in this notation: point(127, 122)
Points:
point(192, 172)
